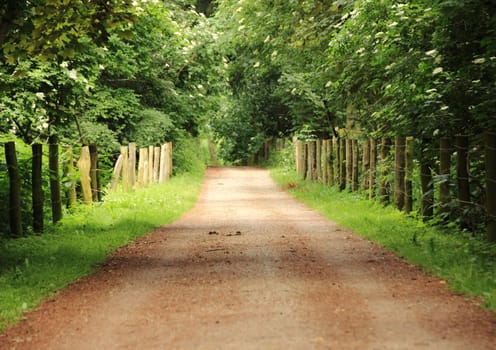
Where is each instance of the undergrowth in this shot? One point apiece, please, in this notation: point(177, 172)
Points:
point(466, 263)
point(34, 267)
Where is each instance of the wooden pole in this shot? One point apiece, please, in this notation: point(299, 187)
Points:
point(409, 149)
point(349, 163)
point(445, 153)
point(69, 170)
point(142, 166)
point(169, 159)
point(462, 174)
point(355, 162)
point(132, 165)
point(342, 164)
point(385, 185)
point(490, 153)
point(125, 168)
point(373, 167)
point(426, 181)
point(324, 160)
point(399, 172)
point(37, 187)
point(163, 164)
point(365, 165)
point(53, 166)
point(156, 164)
point(117, 173)
point(84, 165)
point(318, 160)
point(95, 190)
point(151, 149)
point(15, 216)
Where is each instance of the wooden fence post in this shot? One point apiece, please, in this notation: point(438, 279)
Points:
point(365, 165)
point(318, 160)
point(53, 166)
point(490, 153)
point(373, 167)
point(399, 172)
point(349, 163)
point(355, 162)
point(324, 160)
point(156, 164)
point(163, 164)
point(385, 185)
point(69, 170)
point(125, 168)
point(37, 187)
point(445, 152)
point(143, 156)
point(169, 159)
point(342, 163)
point(95, 186)
point(117, 172)
point(15, 218)
point(409, 155)
point(462, 175)
point(151, 149)
point(84, 165)
point(330, 160)
point(426, 180)
point(132, 165)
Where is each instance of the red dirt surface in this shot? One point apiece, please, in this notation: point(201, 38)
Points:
point(251, 268)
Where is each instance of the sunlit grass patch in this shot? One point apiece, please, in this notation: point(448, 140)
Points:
point(34, 267)
point(466, 263)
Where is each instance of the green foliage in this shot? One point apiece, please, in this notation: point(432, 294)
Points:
point(465, 262)
point(34, 267)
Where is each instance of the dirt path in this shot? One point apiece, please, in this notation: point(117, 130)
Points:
point(251, 268)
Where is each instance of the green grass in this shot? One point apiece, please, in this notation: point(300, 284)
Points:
point(466, 263)
point(34, 267)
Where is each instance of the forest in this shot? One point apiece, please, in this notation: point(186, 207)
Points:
point(75, 73)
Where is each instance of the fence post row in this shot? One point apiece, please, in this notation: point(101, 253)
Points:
point(154, 166)
point(336, 161)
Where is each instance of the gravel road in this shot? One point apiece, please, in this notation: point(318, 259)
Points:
point(249, 267)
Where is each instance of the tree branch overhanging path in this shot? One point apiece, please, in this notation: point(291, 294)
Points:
point(250, 267)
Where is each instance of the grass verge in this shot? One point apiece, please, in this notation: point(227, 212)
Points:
point(35, 267)
point(466, 263)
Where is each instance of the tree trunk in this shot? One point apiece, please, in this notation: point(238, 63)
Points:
point(462, 174)
point(426, 181)
point(95, 186)
point(490, 150)
point(409, 154)
point(37, 187)
point(355, 173)
point(373, 167)
point(385, 186)
point(399, 172)
point(445, 152)
point(53, 166)
point(15, 215)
